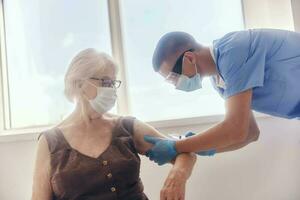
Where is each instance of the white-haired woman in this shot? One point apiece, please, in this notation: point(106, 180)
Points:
point(93, 155)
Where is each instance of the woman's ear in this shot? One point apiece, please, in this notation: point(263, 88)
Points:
point(81, 85)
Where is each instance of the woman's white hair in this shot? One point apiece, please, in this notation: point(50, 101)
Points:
point(86, 64)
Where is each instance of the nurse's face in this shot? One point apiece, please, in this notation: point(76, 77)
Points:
point(184, 63)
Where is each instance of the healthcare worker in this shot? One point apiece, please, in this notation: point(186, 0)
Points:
point(251, 69)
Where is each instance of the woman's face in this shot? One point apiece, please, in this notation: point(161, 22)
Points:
point(103, 79)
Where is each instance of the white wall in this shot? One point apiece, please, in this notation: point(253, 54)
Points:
point(268, 14)
point(265, 170)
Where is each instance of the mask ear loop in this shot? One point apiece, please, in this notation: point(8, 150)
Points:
point(91, 84)
point(196, 69)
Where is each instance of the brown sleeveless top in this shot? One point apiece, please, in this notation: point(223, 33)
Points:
point(114, 175)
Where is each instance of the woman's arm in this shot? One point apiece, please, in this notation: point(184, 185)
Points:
point(41, 180)
point(174, 186)
point(142, 129)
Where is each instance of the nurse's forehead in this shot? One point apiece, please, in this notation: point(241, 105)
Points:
point(164, 69)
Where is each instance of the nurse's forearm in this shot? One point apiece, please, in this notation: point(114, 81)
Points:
point(253, 134)
point(237, 146)
point(231, 132)
point(218, 137)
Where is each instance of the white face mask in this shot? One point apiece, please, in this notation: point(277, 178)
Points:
point(105, 99)
point(189, 84)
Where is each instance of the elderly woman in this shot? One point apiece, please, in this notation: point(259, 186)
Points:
point(94, 155)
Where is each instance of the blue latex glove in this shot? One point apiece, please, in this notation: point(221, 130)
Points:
point(201, 153)
point(163, 150)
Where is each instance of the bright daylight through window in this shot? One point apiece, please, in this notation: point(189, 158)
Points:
point(42, 37)
point(144, 23)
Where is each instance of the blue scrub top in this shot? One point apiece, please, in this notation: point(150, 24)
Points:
point(266, 60)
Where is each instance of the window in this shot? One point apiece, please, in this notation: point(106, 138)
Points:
point(144, 23)
point(41, 38)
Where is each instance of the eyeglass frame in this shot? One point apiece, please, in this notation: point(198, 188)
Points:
point(113, 82)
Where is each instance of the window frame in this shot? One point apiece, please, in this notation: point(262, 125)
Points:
point(7, 133)
point(117, 51)
point(5, 117)
point(123, 103)
point(296, 15)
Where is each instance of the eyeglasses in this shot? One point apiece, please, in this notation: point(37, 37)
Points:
point(104, 82)
point(174, 75)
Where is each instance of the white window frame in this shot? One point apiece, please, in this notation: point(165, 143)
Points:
point(123, 107)
point(296, 14)
point(5, 117)
point(9, 134)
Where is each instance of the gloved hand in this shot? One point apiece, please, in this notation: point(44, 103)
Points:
point(210, 152)
point(163, 150)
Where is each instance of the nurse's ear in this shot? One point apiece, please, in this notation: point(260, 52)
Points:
point(190, 57)
point(188, 64)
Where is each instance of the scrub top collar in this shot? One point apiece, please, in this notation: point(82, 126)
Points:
point(211, 50)
point(217, 78)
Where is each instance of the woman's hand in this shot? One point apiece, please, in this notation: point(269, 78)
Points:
point(174, 186)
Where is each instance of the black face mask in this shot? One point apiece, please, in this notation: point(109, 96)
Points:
point(178, 65)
